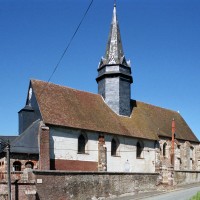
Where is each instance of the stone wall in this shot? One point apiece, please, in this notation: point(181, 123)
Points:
point(44, 140)
point(186, 177)
point(186, 154)
point(73, 185)
point(60, 185)
point(42, 185)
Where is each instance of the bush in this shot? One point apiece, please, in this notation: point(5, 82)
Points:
point(196, 197)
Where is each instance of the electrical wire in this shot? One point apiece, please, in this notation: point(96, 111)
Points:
point(67, 47)
point(57, 65)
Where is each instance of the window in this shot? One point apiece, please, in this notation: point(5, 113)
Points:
point(178, 164)
point(178, 151)
point(156, 145)
point(164, 149)
point(198, 165)
point(29, 165)
point(114, 147)
point(191, 152)
point(17, 166)
point(81, 144)
point(139, 150)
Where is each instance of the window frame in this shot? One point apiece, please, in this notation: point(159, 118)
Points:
point(139, 150)
point(164, 151)
point(29, 163)
point(17, 166)
point(82, 144)
point(114, 149)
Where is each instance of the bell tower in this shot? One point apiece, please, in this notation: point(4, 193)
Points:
point(114, 73)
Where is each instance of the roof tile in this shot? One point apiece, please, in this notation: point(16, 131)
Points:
point(63, 106)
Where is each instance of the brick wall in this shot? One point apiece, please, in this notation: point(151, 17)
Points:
point(44, 154)
point(20, 191)
point(73, 165)
point(102, 154)
point(22, 186)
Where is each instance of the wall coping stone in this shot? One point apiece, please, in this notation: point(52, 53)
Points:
point(190, 171)
point(62, 172)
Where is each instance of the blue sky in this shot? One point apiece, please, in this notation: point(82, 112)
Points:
point(161, 38)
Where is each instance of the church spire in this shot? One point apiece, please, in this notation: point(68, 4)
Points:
point(114, 73)
point(114, 51)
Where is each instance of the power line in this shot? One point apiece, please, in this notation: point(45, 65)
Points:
point(67, 47)
point(57, 65)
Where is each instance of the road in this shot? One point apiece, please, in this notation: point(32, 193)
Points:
point(185, 194)
point(181, 194)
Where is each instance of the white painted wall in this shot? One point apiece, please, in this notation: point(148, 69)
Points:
point(127, 151)
point(64, 145)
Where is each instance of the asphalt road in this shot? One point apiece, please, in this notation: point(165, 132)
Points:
point(180, 194)
point(185, 194)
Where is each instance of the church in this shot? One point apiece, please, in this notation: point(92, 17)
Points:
point(61, 128)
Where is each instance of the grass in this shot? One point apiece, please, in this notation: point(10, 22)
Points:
point(196, 197)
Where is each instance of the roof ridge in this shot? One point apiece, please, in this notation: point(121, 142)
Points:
point(65, 87)
point(157, 106)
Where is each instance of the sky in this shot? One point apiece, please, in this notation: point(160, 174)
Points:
point(160, 37)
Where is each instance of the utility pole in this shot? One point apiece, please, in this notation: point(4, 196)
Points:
point(8, 169)
point(6, 145)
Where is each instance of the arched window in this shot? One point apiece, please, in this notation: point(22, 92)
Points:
point(29, 165)
point(191, 152)
point(139, 150)
point(156, 145)
point(17, 166)
point(114, 146)
point(164, 149)
point(81, 144)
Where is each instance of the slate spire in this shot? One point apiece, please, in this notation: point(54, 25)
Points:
point(114, 51)
point(114, 73)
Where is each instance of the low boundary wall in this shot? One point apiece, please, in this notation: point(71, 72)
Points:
point(186, 177)
point(63, 185)
point(91, 185)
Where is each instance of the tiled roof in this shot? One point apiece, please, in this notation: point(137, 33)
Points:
point(153, 118)
point(63, 106)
